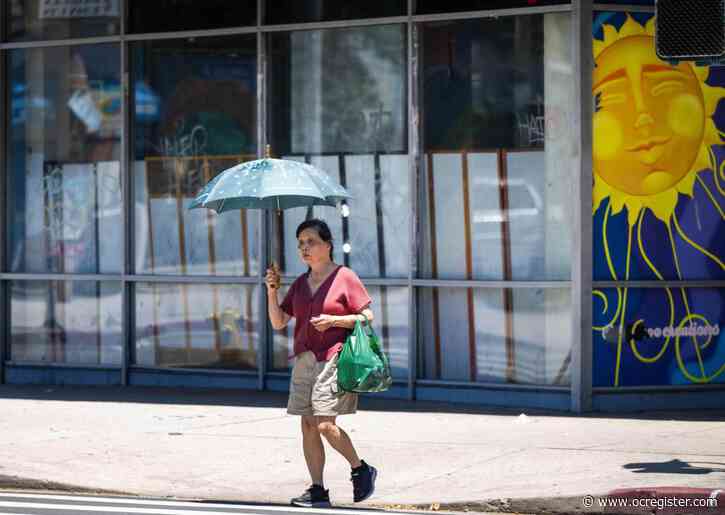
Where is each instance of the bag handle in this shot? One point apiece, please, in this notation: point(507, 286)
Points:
point(366, 326)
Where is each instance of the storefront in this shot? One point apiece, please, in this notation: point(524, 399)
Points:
point(463, 132)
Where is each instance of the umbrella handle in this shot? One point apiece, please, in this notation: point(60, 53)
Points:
point(275, 267)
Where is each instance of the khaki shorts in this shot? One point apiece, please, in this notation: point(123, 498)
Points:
point(313, 389)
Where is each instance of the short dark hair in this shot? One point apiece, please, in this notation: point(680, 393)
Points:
point(322, 229)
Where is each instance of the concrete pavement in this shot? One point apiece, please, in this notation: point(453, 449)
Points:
point(242, 446)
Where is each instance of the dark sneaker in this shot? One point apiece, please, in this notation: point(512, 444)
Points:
point(363, 481)
point(314, 497)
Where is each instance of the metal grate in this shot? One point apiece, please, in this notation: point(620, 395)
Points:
point(690, 28)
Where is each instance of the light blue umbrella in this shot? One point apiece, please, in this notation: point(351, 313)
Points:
point(269, 184)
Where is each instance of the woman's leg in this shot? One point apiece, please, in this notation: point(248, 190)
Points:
point(313, 448)
point(339, 439)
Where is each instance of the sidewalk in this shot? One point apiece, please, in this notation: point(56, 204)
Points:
point(241, 446)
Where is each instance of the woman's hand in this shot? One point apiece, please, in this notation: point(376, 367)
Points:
point(273, 279)
point(323, 322)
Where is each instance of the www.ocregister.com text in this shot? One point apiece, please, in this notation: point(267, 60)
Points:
point(590, 501)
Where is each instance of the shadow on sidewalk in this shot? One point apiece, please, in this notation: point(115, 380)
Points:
point(267, 399)
point(671, 467)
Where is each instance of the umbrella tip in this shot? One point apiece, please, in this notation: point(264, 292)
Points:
point(268, 151)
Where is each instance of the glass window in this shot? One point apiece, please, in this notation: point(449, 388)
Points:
point(498, 153)
point(64, 141)
point(338, 102)
point(61, 19)
point(658, 336)
point(173, 15)
point(437, 7)
point(194, 116)
point(390, 308)
point(76, 322)
point(196, 326)
point(301, 11)
point(663, 218)
point(495, 335)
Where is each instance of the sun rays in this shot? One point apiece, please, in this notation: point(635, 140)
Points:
point(653, 137)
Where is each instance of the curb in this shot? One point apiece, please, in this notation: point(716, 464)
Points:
point(519, 506)
point(23, 483)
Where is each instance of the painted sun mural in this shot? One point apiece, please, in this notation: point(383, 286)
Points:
point(658, 197)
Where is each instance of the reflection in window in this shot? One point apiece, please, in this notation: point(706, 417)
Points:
point(341, 90)
point(370, 232)
point(75, 322)
point(390, 306)
point(338, 102)
point(157, 16)
point(497, 152)
point(194, 117)
point(196, 326)
point(61, 19)
point(500, 336)
point(301, 11)
point(64, 140)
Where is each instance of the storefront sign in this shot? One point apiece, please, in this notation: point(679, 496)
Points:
point(78, 8)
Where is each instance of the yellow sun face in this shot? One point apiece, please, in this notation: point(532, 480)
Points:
point(652, 127)
point(650, 119)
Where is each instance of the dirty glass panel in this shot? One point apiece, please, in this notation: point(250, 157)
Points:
point(63, 159)
point(518, 336)
point(70, 322)
point(196, 326)
point(338, 102)
point(194, 116)
point(496, 183)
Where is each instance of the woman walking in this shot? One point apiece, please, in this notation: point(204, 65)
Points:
point(325, 303)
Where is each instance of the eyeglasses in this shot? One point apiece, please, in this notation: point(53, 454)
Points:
point(309, 244)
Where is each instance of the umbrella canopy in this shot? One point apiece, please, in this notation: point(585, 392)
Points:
point(269, 184)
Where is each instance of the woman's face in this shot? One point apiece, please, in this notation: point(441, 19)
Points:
point(311, 247)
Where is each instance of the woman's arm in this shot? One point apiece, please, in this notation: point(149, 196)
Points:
point(277, 315)
point(348, 321)
point(324, 322)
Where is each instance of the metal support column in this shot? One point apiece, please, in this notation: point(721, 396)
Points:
point(582, 363)
point(413, 162)
point(265, 335)
point(128, 205)
point(4, 289)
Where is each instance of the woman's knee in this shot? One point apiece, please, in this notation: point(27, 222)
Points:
point(327, 426)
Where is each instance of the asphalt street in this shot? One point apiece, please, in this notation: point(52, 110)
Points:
point(46, 504)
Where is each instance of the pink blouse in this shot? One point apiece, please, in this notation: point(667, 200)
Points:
point(342, 293)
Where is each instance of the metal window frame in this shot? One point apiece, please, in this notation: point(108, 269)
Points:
point(266, 336)
point(409, 20)
point(4, 285)
point(582, 226)
point(128, 313)
point(413, 52)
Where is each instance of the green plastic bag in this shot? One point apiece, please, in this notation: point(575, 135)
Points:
point(363, 366)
